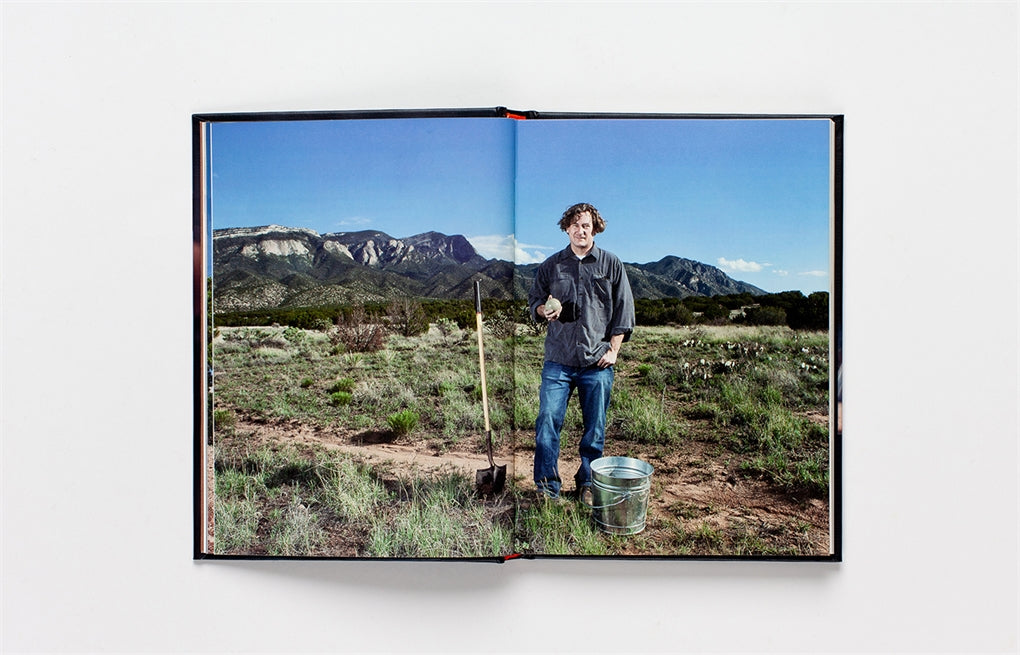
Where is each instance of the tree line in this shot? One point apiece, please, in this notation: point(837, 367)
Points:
point(462, 312)
point(790, 308)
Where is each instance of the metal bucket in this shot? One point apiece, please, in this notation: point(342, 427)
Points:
point(620, 490)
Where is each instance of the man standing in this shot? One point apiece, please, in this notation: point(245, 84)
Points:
point(584, 294)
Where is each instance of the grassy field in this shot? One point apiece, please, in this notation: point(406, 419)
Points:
point(723, 409)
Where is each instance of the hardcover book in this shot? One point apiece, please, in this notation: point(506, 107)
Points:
point(491, 334)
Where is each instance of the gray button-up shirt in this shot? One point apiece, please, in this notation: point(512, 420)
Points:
point(597, 304)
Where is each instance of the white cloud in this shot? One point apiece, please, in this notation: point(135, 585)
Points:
point(738, 266)
point(781, 272)
point(355, 221)
point(815, 273)
point(523, 257)
point(507, 248)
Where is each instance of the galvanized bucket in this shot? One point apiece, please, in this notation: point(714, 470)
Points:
point(620, 490)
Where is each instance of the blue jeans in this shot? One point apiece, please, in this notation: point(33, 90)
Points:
point(594, 386)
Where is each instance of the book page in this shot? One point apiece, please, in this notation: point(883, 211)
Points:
point(345, 406)
point(717, 436)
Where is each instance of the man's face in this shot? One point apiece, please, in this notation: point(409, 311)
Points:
point(580, 232)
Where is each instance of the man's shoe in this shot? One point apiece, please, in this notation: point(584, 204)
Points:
point(585, 496)
point(548, 494)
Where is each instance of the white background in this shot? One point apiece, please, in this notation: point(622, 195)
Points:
point(97, 457)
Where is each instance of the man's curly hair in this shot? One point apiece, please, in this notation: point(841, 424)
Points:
point(598, 224)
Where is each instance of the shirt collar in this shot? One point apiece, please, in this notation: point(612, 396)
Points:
point(567, 253)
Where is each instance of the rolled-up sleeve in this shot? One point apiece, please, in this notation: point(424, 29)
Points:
point(622, 319)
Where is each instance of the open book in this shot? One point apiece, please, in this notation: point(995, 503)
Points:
point(372, 338)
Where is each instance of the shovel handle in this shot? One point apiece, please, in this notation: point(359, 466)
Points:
point(481, 358)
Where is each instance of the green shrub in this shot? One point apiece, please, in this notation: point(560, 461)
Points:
point(403, 422)
point(340, 398)
point(447, 327)
point(294, 334)
point(343, 384)
point(307, 382)
point(320, 324)
point(224, 419)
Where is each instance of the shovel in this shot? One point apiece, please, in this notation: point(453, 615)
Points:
point(491, 480)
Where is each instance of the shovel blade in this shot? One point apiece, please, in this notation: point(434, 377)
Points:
point(490, 481)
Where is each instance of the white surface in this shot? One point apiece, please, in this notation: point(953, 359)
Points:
point(96, 307)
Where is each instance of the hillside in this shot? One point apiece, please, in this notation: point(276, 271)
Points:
point(276, 266)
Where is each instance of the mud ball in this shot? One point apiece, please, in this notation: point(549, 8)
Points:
point(552, 305)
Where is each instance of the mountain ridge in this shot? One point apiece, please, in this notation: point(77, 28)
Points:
point(278, 266)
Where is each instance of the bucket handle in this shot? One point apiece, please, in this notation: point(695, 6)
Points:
point(625, 496)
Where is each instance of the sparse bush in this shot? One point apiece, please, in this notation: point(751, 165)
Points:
point(356, 332)
point(449, 329)
point(533, 327)
point(296, 531)
point(306, 382)
point(502, 325)
point(407, 318)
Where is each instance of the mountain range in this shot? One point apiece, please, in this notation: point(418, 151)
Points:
point(276, 266)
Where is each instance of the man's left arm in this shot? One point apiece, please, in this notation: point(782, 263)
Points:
point(621, 320)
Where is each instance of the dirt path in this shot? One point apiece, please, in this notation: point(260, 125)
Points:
point(371, 447)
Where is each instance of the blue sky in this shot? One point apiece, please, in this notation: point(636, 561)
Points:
point(749, 196)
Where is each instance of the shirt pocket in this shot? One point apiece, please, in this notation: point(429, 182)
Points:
point(561, 287)
point(603, 290)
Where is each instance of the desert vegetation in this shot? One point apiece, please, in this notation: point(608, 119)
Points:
point(731, 406)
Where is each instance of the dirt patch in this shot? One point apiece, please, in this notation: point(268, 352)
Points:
point(400, 456)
